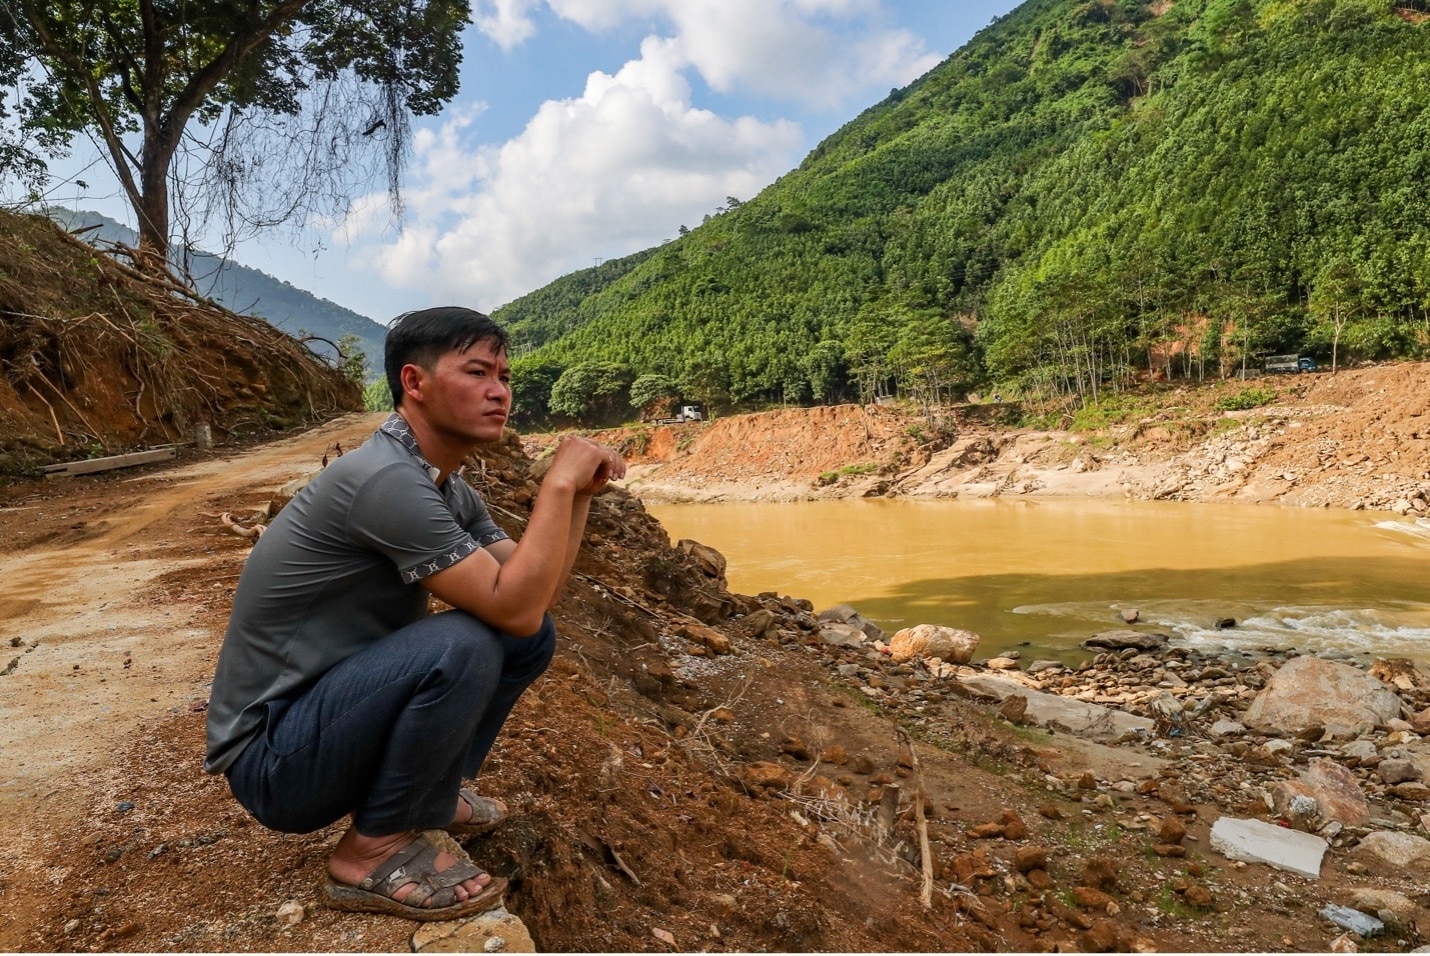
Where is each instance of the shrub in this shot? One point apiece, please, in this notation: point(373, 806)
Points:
point(1246, 398)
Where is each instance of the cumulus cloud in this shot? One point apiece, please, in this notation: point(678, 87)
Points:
point(621, 166)
point(507, 23)
point(607, 173)
point(815, 52)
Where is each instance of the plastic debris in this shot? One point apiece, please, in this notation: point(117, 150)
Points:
point(1353, 920)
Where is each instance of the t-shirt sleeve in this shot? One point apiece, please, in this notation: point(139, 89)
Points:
point(478, 520)
point(399, 513)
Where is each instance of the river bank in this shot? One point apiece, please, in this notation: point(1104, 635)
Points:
point(1357, 439)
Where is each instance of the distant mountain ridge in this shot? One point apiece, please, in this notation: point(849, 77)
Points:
point(250, 291)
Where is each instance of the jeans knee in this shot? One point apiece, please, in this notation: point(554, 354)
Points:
point(457, 649)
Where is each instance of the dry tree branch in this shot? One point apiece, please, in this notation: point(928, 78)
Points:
point(925, 853)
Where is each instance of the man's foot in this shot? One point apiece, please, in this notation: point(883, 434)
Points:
point(476, 814)
point(406, 875)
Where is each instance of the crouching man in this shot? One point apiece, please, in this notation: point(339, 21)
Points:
point(336, 693)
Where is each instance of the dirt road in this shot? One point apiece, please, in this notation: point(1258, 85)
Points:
point(92, 645)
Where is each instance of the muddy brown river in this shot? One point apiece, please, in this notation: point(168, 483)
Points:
point(1042, 575)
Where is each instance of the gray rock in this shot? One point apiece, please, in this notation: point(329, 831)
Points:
point(1397, 849)
point(1361, 750)
point(841, 635)
point(1392, 772)
point(1062, 713)
point(1227, 728)
point(844, 614)
point(1037, 667)
point(1258, 842)
point(1310, 691)
point(1123, 639)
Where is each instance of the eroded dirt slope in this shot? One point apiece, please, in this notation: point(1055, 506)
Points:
point(1359, 438)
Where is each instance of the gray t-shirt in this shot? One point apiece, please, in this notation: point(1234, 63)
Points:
point(338, 569)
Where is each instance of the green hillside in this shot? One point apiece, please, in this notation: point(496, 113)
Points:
point(1089, 190)
point(252, 292)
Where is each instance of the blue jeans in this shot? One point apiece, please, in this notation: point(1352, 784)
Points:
point(389, 733)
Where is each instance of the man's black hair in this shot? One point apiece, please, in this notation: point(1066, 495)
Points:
point(423, 337)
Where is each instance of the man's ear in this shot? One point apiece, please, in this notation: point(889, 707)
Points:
point(413, 378)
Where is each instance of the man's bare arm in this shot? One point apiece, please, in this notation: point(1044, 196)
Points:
point(512, 586)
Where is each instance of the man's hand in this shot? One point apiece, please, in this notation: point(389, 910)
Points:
point(585, 466)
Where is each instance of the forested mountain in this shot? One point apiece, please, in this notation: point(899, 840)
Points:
point(251, 292)
point(1088, 190)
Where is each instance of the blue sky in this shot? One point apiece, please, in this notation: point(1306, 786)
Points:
point(590, 129)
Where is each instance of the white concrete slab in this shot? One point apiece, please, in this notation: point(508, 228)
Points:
point(1061, 713)
point(1258, 842)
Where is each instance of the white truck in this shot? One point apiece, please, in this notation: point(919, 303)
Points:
point(687, 413)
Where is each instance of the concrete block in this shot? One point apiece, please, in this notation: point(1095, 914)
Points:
point(1257, 842)
point(1062, 713)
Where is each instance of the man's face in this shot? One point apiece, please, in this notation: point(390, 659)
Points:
point(467, 395)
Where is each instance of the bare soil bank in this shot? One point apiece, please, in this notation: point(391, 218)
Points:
point(1357, 439)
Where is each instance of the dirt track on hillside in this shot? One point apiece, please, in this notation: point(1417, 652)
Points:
point(94, 642)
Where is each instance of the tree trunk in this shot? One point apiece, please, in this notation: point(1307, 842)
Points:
point(151, 208)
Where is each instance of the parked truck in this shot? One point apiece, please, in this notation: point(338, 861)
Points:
point(687, 413)
point(1290, 363)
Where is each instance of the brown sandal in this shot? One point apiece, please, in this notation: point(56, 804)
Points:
point(488, 813)
point(415, 863)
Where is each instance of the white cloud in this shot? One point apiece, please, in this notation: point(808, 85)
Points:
point(820, 53)
point(621, 166)
point(604, 174)
point(506, 22)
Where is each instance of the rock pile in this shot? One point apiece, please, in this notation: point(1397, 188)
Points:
point(1332, 748)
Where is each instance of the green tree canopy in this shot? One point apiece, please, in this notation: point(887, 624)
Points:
point(241, 89)
point(591, 390)
point(653, 393)
point(1090, 189)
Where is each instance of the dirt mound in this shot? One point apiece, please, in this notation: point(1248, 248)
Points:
point(776, 455)
point(97, 359)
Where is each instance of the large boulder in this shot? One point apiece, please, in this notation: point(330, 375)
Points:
point(1309, 691)
point(949, 644)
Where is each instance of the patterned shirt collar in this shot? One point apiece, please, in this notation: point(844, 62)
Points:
point(397, 427)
